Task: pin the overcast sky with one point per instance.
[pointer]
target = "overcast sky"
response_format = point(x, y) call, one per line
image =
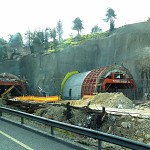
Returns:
point(22, 15)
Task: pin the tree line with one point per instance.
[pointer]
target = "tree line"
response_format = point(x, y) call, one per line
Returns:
point(47, 38)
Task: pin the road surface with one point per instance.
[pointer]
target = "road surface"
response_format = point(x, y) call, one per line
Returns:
point(14, 137)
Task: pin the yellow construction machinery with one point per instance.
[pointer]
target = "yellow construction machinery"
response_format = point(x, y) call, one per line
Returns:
point(7, 91)
point(48, 99)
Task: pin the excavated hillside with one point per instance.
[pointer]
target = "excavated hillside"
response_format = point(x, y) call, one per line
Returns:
point(128, 45)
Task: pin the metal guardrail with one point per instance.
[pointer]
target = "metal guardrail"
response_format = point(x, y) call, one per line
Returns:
point(100, 136)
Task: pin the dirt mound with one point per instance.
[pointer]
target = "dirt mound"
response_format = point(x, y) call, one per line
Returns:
point(114, 100)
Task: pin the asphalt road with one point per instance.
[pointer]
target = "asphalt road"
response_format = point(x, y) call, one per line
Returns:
point(13, 137)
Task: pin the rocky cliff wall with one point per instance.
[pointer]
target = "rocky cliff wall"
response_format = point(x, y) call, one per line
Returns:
point(10, 66)
point(128, 45)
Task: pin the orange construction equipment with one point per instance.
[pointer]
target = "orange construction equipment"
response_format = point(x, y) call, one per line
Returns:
point(114, 78)
point(10, 83)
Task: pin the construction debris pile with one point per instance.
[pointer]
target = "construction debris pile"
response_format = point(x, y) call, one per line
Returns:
point(122, 117)
point(112, 100)
point(120, 122)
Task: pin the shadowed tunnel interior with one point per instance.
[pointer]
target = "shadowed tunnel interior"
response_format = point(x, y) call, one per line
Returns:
point(15, 91)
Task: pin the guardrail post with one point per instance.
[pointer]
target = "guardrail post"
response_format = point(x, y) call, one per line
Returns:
point(99, 145)
point(100, 136)
point(52, 130)
point(22, 120)
point(0, 113)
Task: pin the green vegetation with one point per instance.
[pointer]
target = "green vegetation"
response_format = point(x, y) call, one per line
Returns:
point(78, 26)
point(76, 41)
point(51, 40)
point(96, 29)
point(38, 42)
point(51, 50)
point(59, 29)
point(3, 48)
point(110, 17)
point(83, 38)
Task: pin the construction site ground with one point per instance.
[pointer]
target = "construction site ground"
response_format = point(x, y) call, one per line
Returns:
point(124, 117)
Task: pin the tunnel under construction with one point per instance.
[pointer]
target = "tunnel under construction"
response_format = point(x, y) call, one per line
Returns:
point(12, 85)
point(115, 78)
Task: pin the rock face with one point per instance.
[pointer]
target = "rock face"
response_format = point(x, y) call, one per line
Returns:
point(128, 45)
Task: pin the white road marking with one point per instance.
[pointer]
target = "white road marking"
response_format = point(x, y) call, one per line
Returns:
point(16, 141)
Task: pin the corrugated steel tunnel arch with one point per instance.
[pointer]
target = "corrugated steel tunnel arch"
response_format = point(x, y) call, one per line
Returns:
point(113, 78)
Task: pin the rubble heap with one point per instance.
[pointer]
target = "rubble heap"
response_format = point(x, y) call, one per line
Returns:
point(112, 100)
